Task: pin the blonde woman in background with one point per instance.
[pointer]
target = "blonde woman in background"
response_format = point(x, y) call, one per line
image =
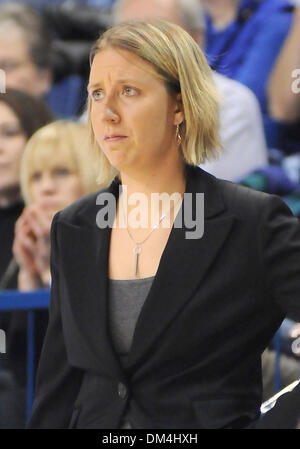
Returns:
point(57, 169)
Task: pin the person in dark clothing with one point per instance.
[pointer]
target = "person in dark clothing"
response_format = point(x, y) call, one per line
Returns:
point(20, 116)
point(55, 171)
point(152, 326)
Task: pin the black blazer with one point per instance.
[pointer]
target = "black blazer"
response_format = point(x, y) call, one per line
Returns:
point(214, 305)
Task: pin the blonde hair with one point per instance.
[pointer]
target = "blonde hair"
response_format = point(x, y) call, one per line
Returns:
point(178, 61)
point(65, 141)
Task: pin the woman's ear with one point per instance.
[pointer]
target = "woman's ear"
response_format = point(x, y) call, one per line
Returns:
point(179, 112)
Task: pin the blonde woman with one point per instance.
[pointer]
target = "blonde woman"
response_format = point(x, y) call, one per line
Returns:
point(161, 324)
point(57, 169)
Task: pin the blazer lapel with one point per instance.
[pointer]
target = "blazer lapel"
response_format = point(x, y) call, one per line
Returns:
point(182, 267)
point(87, 249)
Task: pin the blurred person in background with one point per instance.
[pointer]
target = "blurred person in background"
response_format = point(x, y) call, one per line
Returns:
point(284, 90)
point(241, 128)
point(243, 40)
point(25, 49)
point(56, 169)
point(33, 59)
point(20, 116)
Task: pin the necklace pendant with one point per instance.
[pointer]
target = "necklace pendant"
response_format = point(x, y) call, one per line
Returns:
point(136, 250)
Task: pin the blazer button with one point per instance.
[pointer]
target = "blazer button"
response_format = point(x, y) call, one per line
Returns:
point(122, 390)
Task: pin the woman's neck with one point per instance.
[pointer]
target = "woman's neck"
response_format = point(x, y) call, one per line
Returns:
point(153, 192)
point(165, 179)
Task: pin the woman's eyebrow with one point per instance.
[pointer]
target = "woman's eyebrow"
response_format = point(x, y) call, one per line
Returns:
point(119, 81)
point(92, 86)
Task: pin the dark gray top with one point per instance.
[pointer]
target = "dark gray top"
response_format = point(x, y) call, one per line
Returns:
point(125, 299)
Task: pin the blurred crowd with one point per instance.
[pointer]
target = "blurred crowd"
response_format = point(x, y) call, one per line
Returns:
point(253, 48)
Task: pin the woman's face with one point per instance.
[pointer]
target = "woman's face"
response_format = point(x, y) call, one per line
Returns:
point(15, 59)
point(12, 143)
point(213, 6)
point(133, 116)
point(55, 185)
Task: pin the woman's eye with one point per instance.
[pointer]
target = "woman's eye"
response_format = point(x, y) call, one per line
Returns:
point(129, 91)
point(62, 172)
point(36, 176)
point(11, 131)
point(97, 95)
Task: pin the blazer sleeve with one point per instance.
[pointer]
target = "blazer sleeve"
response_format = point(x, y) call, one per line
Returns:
point(281, 256)
point(280, 233)
point(57, 383)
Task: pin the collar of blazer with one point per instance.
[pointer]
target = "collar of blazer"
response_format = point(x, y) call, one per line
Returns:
point(183, 265)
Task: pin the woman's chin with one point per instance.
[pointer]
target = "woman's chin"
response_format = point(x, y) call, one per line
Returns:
point(118, 161)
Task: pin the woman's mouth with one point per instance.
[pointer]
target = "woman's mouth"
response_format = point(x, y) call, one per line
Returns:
point(114, 138)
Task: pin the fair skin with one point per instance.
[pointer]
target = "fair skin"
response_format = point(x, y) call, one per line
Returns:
point(156, 9)
point(222, 12)
point(52, 188)
point(284, 103)
point(12, 142)
point(134, 120)
point(137, 10)
point(15, 59)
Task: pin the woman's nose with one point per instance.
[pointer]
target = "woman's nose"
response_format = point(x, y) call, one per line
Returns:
point(110, 114)
point(47, 184)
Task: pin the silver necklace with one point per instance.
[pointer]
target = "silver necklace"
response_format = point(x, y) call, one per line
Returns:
point(138, 245)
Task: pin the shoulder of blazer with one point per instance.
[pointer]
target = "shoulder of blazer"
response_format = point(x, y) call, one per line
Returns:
point(248, 203)
point(242, 200)
point(236, 199)
point(83, 211)
point(219, 196)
